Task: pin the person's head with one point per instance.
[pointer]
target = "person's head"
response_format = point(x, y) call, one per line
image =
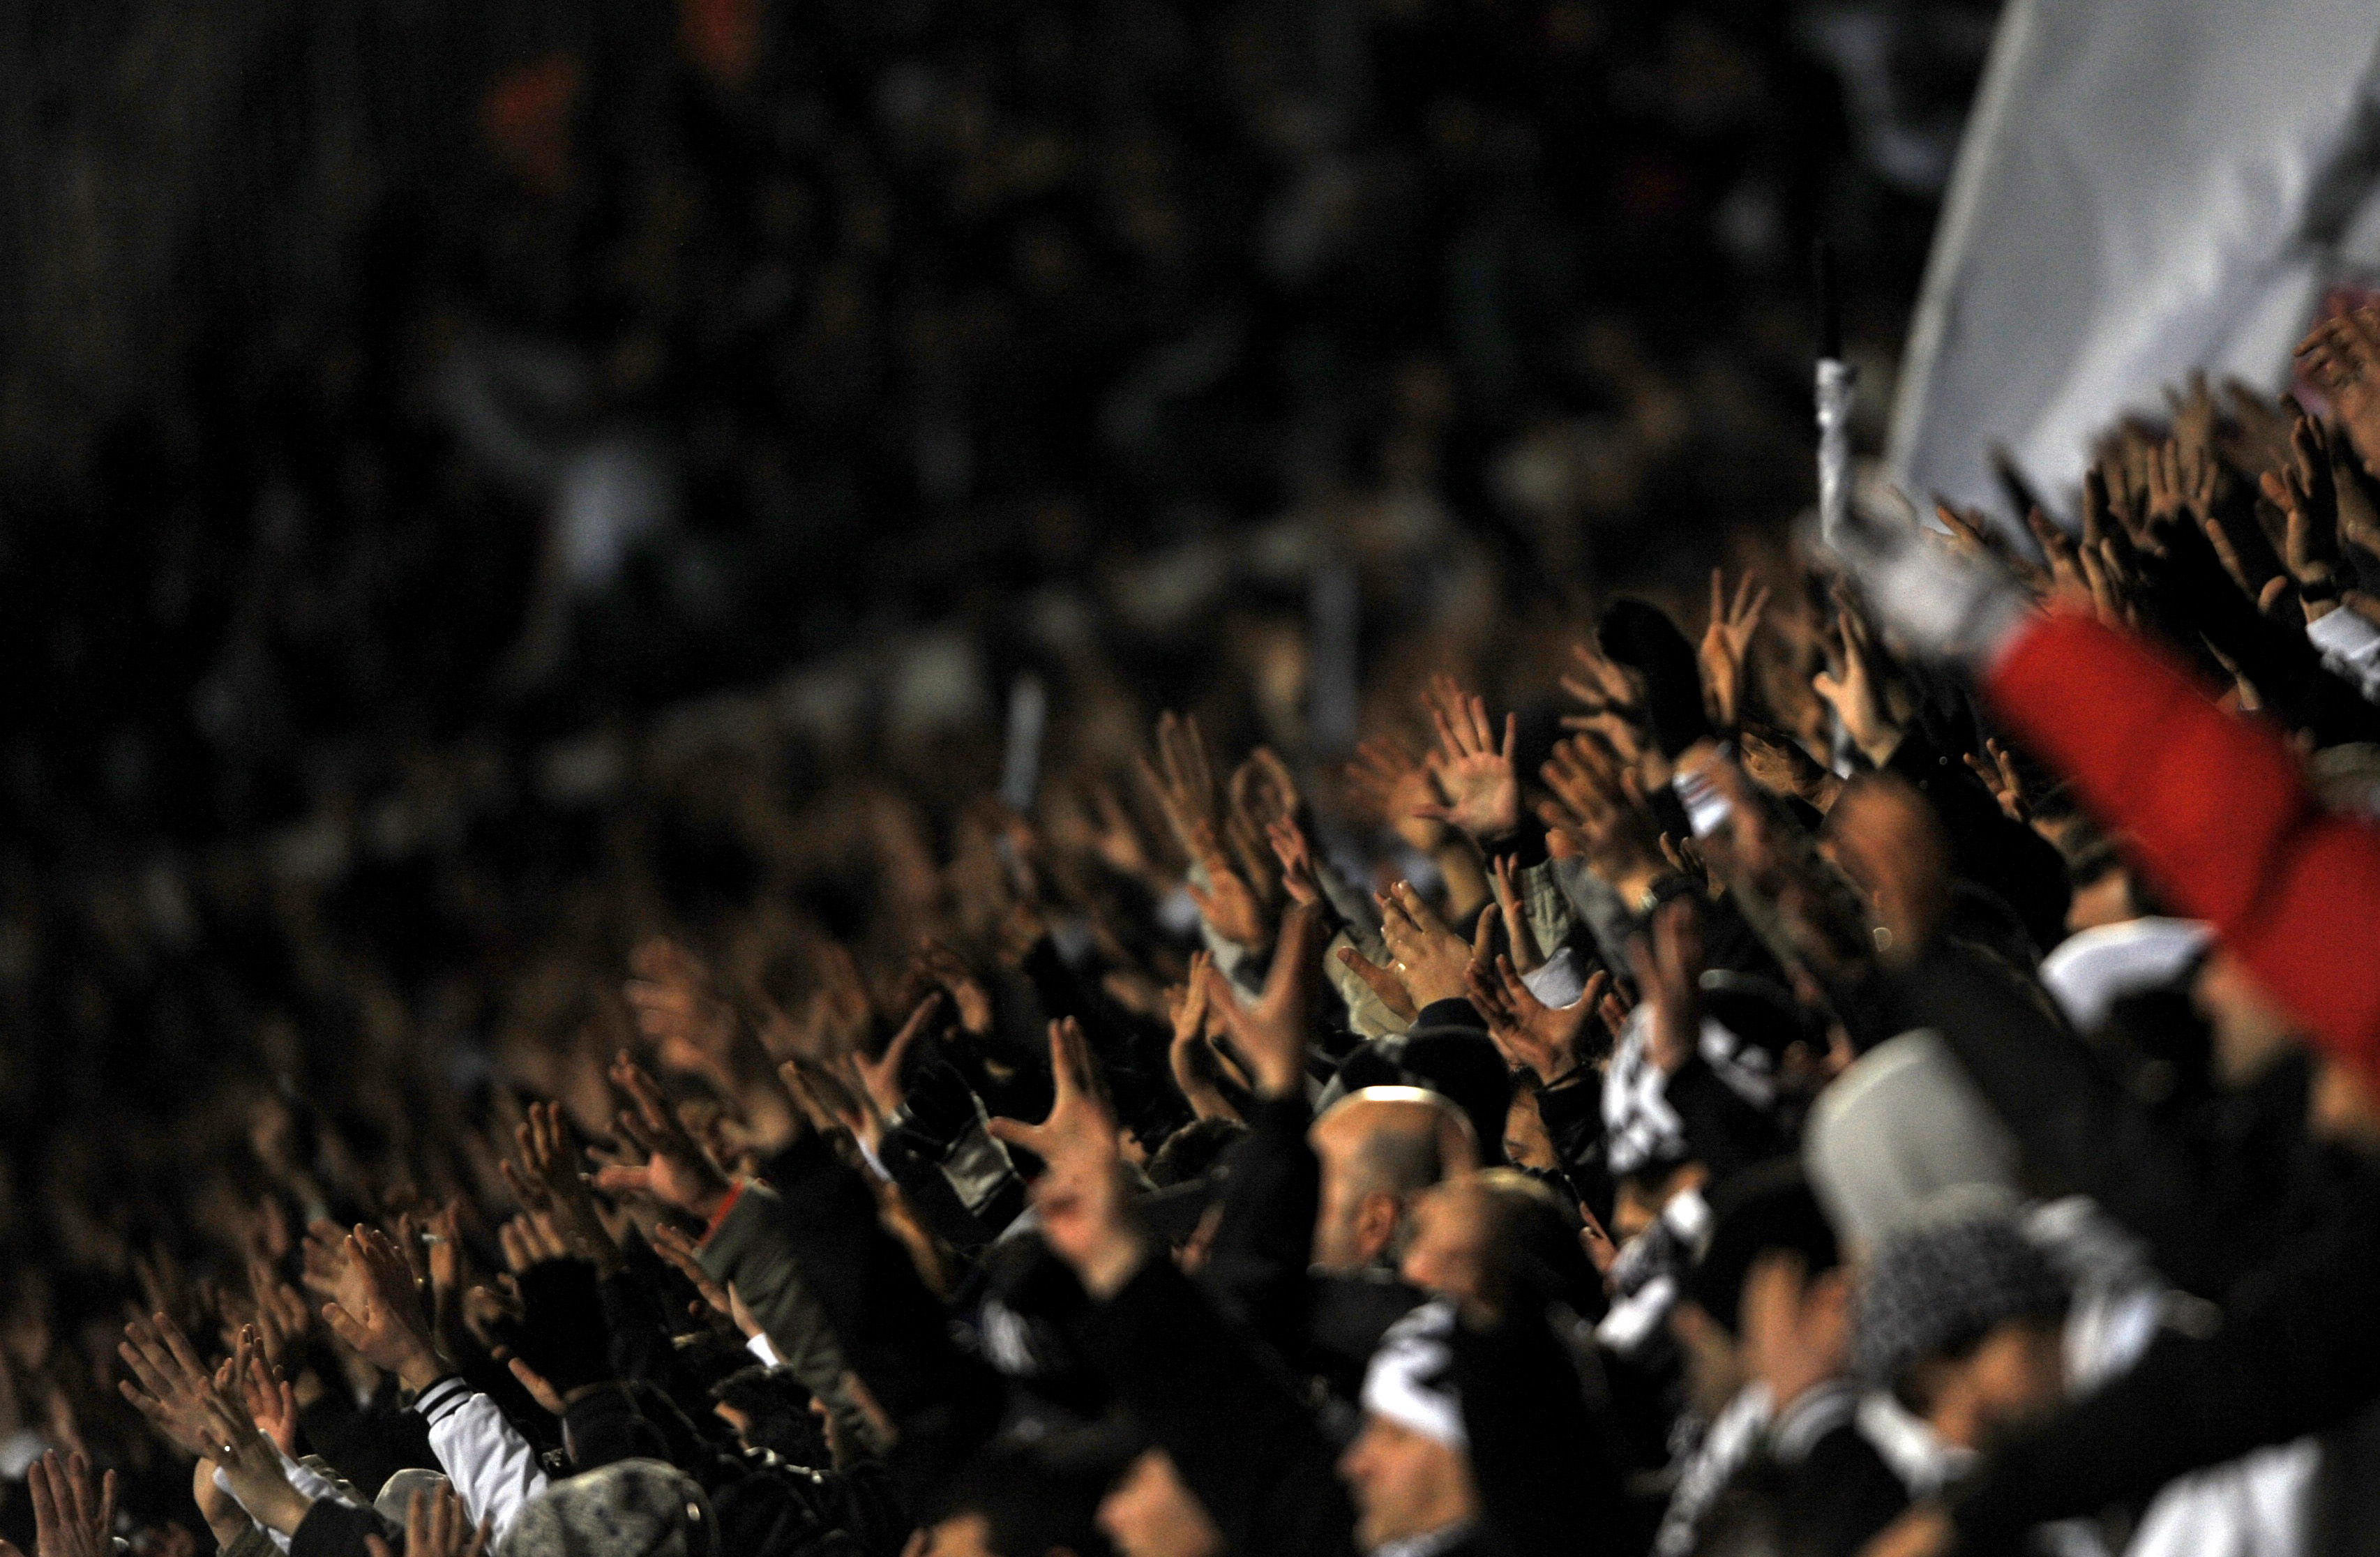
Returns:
point(1961, 1317)
point(2102, 888)
point(767, 1408)
point(1377, 1149)
point(1468, 1233)
point(629, 1508)
point(2250, 1031)
point(1772, 1278)
point(1015, 1499)
point(1527, 1143)
point(1148, 1512)
point(1641, 1194)
point(1713, 1361)
point(1887, 838)
point(1192, 1151)
point(1409, 1467)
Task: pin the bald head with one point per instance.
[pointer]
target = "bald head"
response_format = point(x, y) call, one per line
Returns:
point(1378, 1148)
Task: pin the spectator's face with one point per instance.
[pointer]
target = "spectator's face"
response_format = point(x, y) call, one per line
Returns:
point(1886, 838)
point(1714, 1362)
point(1447, 1254)
point(1151, 1514)
point(1404, 1484)
point(2016, 1376)
point(1356, 1221)
point(962, 1535)
point(2251, 1031)
point(1526, 1145)
point(2107, 900)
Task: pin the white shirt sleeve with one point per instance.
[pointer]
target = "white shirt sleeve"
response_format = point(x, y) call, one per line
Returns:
point(222, 1485)
point(1556, 982)
point(493, 1468)
point(2350, 646)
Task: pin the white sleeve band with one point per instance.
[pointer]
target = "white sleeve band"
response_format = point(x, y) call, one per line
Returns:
point(494, 1470)
point(2350, 646)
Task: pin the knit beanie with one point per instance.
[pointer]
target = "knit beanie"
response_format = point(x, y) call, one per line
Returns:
point(1945, 1281)
point(630, 1508)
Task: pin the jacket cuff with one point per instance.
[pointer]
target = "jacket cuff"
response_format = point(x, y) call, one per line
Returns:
point(440, 1401)
point(1455, 1012)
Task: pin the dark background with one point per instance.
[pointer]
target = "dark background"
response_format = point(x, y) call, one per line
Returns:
point(428, 431)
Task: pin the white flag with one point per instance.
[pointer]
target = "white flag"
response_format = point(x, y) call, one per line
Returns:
point(2146, 188)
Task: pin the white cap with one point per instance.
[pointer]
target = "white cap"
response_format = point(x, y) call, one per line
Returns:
point(2092, 969)
point(1411, 1379)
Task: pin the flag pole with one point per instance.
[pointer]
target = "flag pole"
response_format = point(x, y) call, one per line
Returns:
point(1834, 399)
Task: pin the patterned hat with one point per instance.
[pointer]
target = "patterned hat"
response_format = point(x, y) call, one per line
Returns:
point(1947, 1280)
point(631, 1508)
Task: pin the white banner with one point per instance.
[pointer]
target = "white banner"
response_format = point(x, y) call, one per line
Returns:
point(2146, 188)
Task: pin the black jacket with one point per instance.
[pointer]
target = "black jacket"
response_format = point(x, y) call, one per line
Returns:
point(1226, 1414)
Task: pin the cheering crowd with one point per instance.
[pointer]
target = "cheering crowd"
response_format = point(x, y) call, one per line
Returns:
point(1887, 1067)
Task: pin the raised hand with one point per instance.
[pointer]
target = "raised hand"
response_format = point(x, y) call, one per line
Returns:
point(1244, 834)
point(1852, 683)
point(386, 1325)
point(1383, 982)
point(548, 1180)
point(678, 1250)
point(690, 1027)
point(1669, 967)
point(1541, 1039)
point(530, 1239)
point(676, 1174)
point(169, 1385)
point(1388, 784)
point(969, 998)
point(1482, 789)
point(1298, 879)
point(272, 1402)
point(1227, 901)
point(2342, 356)
point(1426, 956)
point(252, 1462)
point(832, 1097)
point(1609, 693)
point(1506, 878)
point(436, 1525)
point(1080, 1192)
point(1999, 776)
point(881, 1078)
point(1181, 779)
point(2306, 490)
point(1263, 787)
point(71, 1518)
point(283, 1323)
point(1272, 1034)
point(1191, 1060)
point(1596, 802)
point(1726, 647)
point(1784, 767)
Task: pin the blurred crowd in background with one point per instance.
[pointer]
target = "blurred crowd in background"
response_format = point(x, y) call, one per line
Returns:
point(486, 484)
